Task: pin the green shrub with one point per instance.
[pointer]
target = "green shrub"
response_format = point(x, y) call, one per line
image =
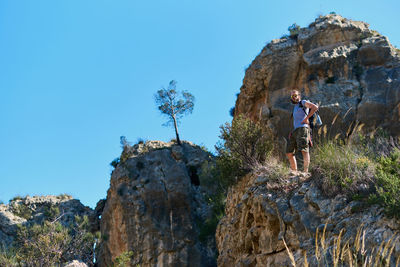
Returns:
point(8, 256)
point(124, 259)
point(51, 243)
point(294, 30)
point(216, 186)
point(245, 143)
point(115, 162)
point(232, 111)
point(18, 197)
point(388, 183)
point(141, 141)
point(341, 169)
point(245, 146)
point(22, 210)
point(51, 212)
point(41, 245)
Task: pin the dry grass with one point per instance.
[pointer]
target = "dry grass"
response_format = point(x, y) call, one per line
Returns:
point(341, 168)
point(353, 252)
point(350, 252)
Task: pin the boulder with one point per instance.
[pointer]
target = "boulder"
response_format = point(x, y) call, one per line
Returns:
point(34, 210)
point(351, 71)
point(154, 207)
point(259, 219)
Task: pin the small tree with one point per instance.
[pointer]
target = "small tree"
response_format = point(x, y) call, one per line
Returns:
point(174, 105)
point(245, 143)
point(294, 29)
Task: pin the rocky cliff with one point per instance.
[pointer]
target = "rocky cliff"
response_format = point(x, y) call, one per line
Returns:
point(36, 209)
point(258, 219)
point(334, 60)
point(353, 72)
point(153, 204)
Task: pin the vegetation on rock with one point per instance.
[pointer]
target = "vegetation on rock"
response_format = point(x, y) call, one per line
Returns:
point(366, 168)
point(244, 147)
point(50, 243)
point(174, 105)
point(339, 251)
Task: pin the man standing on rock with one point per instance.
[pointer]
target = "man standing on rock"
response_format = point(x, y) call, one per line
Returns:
point(300, 137)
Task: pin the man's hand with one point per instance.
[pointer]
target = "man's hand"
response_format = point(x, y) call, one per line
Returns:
point(313, 108)
point(305, 121)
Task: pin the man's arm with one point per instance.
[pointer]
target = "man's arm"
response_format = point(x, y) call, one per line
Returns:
point(313, 108)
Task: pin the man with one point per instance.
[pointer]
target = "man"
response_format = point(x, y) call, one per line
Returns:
point(300, 136)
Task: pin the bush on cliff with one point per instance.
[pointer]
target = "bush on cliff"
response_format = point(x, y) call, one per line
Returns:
point(367, 168)
point(8, 257)
point(341, 169)
point(50, 244)
point(244, 146)
point(388, 183)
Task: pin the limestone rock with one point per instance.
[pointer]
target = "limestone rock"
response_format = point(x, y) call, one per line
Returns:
point(153, 206)
point(258, 219)
point(31, 210)
point(334, 60)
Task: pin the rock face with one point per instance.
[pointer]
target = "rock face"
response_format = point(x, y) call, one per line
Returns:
point(30, 210)
point(258, 218)
point(334, 60)
point(152, 207)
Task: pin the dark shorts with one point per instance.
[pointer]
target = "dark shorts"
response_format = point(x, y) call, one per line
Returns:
point(299, 140)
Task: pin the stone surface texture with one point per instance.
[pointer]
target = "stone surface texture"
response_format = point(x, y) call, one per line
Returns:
point(31, 210)
point(152, 207)
point(258, 219)
point(333, 60)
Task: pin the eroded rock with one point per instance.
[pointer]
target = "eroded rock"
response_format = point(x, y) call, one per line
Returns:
point(258, 219)
point(34, 210)
point(334, 60)
point(152, 207)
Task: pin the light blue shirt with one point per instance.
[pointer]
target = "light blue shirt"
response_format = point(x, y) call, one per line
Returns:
point(299, 115)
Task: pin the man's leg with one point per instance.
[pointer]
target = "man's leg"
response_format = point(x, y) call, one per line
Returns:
point(292, 161)
point(302, 139)
point(290, 149)
point(306, 160)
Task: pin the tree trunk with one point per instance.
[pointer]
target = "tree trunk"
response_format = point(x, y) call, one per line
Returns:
point(176, 131)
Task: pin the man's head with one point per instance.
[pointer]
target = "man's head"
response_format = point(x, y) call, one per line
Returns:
point(295, 96)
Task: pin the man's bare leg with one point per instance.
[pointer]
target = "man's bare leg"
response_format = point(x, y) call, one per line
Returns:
point(292, 161)
point(306, 160)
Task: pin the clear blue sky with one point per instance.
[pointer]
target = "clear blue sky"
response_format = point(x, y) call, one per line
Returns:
point(75, 75)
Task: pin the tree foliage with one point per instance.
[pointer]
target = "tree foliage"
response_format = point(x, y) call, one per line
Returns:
point(244, 146)
point(294, 30)
point(51, 243)
point(245, 142)
point(174, 104)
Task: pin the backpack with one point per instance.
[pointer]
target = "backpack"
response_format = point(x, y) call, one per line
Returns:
point(315, 119)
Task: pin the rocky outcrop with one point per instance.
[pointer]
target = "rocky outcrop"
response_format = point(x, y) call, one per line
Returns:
point(34, 210)
point(152, 207)
point(334, 60)
point(259, 218)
